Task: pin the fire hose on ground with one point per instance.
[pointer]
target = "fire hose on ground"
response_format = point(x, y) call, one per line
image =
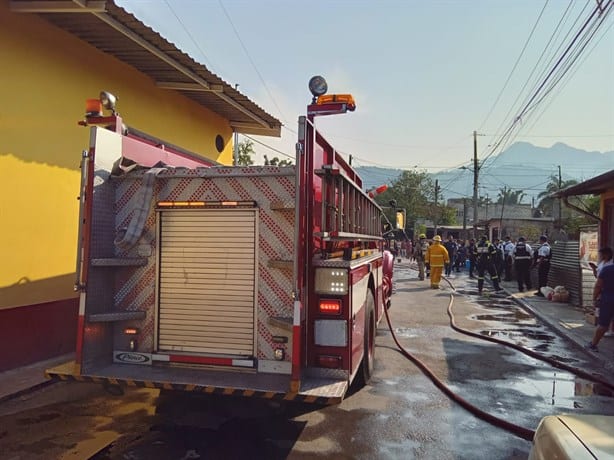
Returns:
point(520, 431)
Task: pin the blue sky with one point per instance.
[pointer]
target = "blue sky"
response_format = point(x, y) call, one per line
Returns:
point(425, 74)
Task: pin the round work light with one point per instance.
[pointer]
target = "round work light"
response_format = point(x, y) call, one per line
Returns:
point(318, 86)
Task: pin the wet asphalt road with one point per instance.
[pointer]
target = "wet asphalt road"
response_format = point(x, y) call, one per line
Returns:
point(401, 414)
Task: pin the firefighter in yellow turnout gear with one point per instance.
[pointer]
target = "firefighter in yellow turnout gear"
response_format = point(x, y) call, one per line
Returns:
point(436, 256)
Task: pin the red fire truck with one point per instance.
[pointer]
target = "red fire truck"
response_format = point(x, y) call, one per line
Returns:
point(261, 281)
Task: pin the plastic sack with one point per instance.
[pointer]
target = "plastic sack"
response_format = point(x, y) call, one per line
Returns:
point(560, 294)
point(560, 297)
point(547, 291)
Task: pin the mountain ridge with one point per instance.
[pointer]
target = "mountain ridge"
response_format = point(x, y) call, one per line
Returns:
point(522, 166)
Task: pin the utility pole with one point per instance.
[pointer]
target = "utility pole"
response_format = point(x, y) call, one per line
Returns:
point(235, 153)
point(560, 207)
point(476, 170)
point(436, 203)
point(464, 218)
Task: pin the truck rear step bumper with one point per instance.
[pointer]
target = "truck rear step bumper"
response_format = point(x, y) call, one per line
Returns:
point(325, 391)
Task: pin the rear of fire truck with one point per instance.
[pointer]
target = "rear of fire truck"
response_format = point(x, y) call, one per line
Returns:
point(259, 281)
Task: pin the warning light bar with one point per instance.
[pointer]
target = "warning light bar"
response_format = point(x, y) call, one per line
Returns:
point(206, 204)
point(347, 99)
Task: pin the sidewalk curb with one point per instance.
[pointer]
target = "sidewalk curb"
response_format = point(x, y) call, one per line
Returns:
point(571, 338)
point(27, 391)
point(22, 381)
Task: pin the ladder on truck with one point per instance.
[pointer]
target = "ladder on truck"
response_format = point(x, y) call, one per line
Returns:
point(348, 213)
point(350, 219)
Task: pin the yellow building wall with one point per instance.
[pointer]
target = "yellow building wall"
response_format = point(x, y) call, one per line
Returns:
point(46, 76)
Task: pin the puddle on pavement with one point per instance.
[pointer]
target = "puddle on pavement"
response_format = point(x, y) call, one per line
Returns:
point(559, 388)
point(560, 359)
point(406, 332)
point(515, 316)
point(518, 333)
point(497, 303)
point(522, 334)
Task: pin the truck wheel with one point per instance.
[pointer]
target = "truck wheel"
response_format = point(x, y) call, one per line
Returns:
point(366, 370)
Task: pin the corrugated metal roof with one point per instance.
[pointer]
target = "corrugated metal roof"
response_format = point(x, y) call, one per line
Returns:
point(114, 31)
point(594, 186)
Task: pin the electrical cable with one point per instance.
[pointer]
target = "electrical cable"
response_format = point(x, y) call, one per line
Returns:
point(584, 56)
point(268, 146)
point(558, 77)
point(509, 77)
point(520, 431)
point(187, 31)
point(252, 61)
point(514, 124)
point(537, 63)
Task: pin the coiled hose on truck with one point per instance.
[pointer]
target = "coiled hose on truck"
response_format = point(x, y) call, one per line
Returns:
point(520, 431)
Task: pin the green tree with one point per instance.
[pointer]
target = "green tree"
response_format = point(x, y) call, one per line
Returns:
point(447, 216)
point(246, 150)
point(413, 191)
point(546, 202)
point(277, 162)
point(572, 220)
point(509, 196)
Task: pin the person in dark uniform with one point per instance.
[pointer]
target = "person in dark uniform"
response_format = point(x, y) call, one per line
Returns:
point(485, 254)
point(451, 247)
point(471, 255)
point(542, 260)
point(522, 254)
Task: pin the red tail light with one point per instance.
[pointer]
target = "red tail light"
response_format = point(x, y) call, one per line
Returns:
point(329, 362)
point(330, 307)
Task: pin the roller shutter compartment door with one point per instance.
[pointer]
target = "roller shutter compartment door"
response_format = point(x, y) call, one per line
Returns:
point(207, 281)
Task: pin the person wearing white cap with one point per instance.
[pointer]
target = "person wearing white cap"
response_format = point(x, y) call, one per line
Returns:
point(543, 256)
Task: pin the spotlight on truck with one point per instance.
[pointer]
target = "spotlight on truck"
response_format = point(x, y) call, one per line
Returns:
point(317, 86)
point(108, 100)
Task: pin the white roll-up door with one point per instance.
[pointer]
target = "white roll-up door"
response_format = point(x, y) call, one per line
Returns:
point(207, 281)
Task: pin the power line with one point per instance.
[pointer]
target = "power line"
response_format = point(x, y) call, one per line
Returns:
point(509, 77)
point(559, 136)
point(252, 61)
point(537, 63)
point(538, 93)
point(186, 30)
point(563, 72)
point(572, 60)
point(268, 146)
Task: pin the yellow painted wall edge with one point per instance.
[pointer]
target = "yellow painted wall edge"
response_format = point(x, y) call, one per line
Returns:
point(46, 76)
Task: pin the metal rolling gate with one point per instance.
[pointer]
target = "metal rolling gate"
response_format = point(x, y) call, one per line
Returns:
point(207, 281)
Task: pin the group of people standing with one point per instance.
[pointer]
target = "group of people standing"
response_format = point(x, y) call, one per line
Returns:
point(507, 258)
point(497, 258)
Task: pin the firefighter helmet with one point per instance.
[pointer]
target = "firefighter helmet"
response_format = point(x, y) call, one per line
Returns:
point(422, 236)
point(437, 238)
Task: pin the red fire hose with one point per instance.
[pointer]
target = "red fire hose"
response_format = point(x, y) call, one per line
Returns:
point(522, 432)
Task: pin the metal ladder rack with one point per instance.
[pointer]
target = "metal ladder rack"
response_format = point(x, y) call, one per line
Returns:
point(348, 213)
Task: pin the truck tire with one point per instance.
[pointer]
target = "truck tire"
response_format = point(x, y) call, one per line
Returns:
point(366, 367)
